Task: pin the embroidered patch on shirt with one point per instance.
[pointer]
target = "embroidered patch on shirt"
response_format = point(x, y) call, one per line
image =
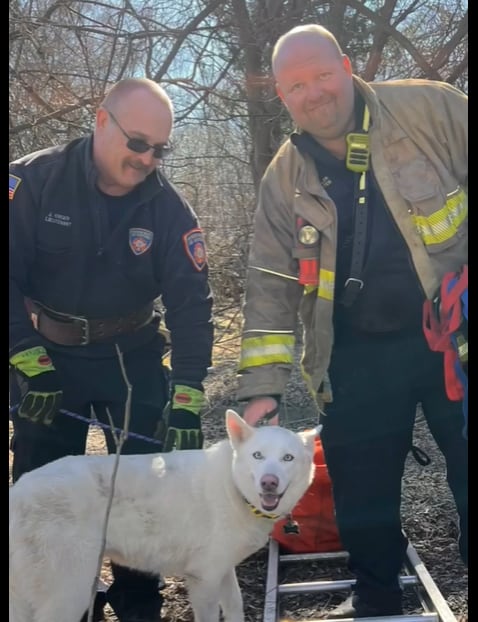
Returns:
point(140, 240)
point(58, 219)
point(195, 248)
point(13, 183)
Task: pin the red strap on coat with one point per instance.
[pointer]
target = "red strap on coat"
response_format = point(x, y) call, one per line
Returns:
point(440, 322)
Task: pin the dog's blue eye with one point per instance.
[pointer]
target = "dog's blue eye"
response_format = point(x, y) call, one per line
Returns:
point(257, 455)
point(288, 457)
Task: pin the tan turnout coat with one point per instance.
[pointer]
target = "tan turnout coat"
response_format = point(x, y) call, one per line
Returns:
point(419, 156)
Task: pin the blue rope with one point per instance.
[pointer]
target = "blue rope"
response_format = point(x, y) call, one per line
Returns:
point(95, 422)
point(459, 371)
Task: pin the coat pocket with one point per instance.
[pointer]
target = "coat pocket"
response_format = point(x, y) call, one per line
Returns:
point(440, 217)
point(442, 223)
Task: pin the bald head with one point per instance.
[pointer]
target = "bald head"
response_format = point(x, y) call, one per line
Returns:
point(124, 92)
point(314, 79)
point(307, 35)
point(133, 126)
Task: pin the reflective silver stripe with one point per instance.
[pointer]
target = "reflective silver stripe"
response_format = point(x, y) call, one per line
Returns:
point(266, 350)
point(269, 332)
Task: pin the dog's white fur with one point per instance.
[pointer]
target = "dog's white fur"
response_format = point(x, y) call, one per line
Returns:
point(182, 513)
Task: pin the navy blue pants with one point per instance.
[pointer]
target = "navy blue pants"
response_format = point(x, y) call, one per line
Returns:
point(377, 383)
point(98, 383)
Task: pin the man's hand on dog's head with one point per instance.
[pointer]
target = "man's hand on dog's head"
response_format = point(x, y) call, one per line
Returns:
point(262, 410)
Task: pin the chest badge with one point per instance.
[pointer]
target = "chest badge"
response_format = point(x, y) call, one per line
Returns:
point(308, 235)
point(195, 248)
point(140, 240)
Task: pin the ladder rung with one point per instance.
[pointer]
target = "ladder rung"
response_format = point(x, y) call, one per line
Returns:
point(434, 604)
point(420, 617)
point(329, 586)
point(312, 557)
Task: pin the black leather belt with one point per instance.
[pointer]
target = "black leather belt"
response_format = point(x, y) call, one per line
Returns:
point(72, 330)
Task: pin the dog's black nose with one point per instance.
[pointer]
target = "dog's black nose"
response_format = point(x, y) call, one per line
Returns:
point(269, 483)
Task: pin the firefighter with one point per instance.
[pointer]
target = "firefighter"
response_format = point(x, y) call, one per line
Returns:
point(97, 235)
point(360, 214)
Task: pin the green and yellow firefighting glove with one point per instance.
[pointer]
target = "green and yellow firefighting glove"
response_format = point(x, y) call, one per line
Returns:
point(41, 394)
point(180, 426)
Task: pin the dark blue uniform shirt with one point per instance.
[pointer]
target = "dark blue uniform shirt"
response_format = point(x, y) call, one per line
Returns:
point(80, 252)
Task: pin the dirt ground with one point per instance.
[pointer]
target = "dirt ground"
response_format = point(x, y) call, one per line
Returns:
point(429, 519)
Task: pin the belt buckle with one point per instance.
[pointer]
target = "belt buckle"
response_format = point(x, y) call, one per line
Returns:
point(85, 326)
point(352, 280)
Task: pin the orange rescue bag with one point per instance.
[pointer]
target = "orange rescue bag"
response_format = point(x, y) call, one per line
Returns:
point(314, 515)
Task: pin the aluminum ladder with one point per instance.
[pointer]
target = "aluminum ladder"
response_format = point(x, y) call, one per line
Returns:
point(435, 607)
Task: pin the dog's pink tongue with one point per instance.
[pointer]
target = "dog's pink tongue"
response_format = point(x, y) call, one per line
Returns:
point(270, 501)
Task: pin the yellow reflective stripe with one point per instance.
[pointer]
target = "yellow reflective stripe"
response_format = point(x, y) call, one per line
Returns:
point(326, 284)
point(267, 349)
point(443, 224)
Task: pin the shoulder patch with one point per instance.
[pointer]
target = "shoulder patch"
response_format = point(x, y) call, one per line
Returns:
point(13, 183)
point(195, 248)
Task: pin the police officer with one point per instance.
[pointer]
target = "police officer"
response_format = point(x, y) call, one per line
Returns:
point(97, 234)
point(361, 213)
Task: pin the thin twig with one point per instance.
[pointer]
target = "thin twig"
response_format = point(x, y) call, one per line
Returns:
point(119, 444)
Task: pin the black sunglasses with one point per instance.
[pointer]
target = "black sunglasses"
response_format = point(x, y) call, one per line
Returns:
point(141, 146)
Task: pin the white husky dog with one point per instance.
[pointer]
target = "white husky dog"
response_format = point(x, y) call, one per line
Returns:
point(194, 514)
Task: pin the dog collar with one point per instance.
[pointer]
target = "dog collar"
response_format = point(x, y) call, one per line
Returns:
point(260, 513)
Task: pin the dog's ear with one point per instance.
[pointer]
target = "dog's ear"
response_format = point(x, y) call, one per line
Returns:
point(237, 429)
point(309, 436)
